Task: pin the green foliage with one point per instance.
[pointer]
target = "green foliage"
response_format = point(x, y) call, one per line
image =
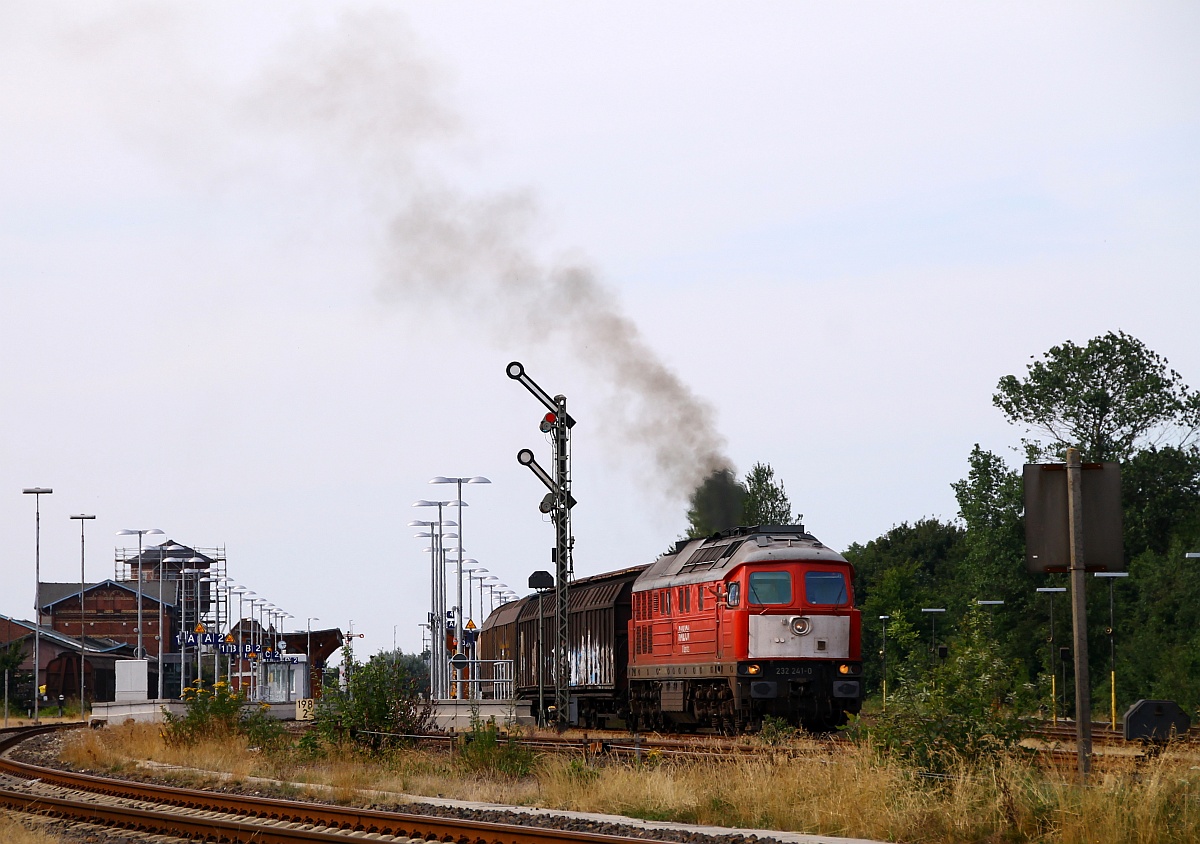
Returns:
point(966, 707)
point(722, 502)
point(484, 753)
point(716, 504)
point(1106, 399)
point(11, 657)
point(909, 567)
point(776, 731)
point(1160, 494)
point(383, 702)
point(766, 501)
point(218, 712)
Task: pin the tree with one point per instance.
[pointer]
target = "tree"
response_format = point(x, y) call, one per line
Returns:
point(1108, 399)
point(722, 502)
point(766, 502)
point(383, 701)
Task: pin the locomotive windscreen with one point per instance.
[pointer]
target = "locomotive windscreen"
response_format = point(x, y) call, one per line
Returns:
point(825, 587)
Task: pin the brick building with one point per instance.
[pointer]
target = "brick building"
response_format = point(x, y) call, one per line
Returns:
point(59, 663)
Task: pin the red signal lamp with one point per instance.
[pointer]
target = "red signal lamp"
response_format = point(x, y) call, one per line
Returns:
point(548, 422)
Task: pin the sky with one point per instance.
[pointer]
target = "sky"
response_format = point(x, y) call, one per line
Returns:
point(262, 266)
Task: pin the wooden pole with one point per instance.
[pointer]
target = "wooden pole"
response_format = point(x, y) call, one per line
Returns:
point(1083, 696)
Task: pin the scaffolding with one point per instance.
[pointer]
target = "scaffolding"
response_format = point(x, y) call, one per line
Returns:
point(194, 571)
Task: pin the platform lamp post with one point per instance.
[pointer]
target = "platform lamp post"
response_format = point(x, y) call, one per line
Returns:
point(491, 581)
point(82, 613)
point(183, 616)
point(161, 636)
point(214, 586)
point(37, 492)
point(437, 575)
point(140, 652)
point(179, 603)
point(883, 656)
point(475, 575)
point(221, 587)
point(458, 482)
point(1112, 644)
point(933, 611)
point(241, 592)
point(1050, 591)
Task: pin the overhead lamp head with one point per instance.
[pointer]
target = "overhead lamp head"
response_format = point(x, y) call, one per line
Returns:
point(81, 516)
point(37, 490)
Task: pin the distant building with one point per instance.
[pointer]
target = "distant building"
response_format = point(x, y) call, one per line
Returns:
point(59, 663)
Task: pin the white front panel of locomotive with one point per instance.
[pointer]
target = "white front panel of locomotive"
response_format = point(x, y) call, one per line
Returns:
point(772, 636)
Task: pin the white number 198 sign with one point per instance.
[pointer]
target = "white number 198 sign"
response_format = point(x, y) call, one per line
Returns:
point(304, 709)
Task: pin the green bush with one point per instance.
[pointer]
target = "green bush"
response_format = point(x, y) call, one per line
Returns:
point(483, 752)
point(383, 703)
point(966, 708)
point(219, 712)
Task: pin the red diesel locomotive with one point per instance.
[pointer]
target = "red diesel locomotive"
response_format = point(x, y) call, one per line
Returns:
point(719, 633)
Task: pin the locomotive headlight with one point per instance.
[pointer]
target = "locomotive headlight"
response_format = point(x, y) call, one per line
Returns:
point(801, 626)
point(847, 669)
point(751, 668)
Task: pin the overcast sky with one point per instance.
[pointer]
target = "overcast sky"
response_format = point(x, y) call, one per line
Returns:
point(263, 265)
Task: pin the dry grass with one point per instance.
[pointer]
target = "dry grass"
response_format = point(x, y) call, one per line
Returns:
point(17, 830)
point(847, 791)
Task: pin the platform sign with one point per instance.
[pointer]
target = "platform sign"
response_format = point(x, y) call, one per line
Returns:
point(306, 709)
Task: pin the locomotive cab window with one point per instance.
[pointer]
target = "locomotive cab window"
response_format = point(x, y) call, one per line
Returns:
point(770, 587)
point(825, 587)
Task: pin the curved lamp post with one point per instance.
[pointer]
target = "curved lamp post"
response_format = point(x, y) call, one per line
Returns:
point(458, 609)
point(82, 629)
point(37, 492)
point(140, 652)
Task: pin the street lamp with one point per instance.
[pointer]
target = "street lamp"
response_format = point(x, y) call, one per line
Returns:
point(883, 656)
point(184, 628)
point(37, 492)
point(439, 660)
point(82, 613)
point(1050, 591)
point(1112, 643)
point(140, 653)
point(473, 576)
point(161, 636)
point(241, 592)
point(458, 482)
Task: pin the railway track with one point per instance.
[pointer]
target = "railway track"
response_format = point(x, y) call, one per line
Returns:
point(239, 819)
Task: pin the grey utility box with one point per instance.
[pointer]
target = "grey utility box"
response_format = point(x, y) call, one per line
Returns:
point(1155, 721)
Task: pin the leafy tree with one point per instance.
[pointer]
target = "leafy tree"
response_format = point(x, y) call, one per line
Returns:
point(991, 505)
point(1107, 399)
point(722, 501)
point(382, 702)
point(11, 657)
point(766, 502)
point(909, 567)
point(964, 708)
point(1160, 492)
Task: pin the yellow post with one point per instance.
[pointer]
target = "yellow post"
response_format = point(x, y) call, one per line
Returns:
point(1054, 700)
point(1113, 706)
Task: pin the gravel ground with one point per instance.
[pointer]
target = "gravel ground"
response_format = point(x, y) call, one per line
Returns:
point(43, 750)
